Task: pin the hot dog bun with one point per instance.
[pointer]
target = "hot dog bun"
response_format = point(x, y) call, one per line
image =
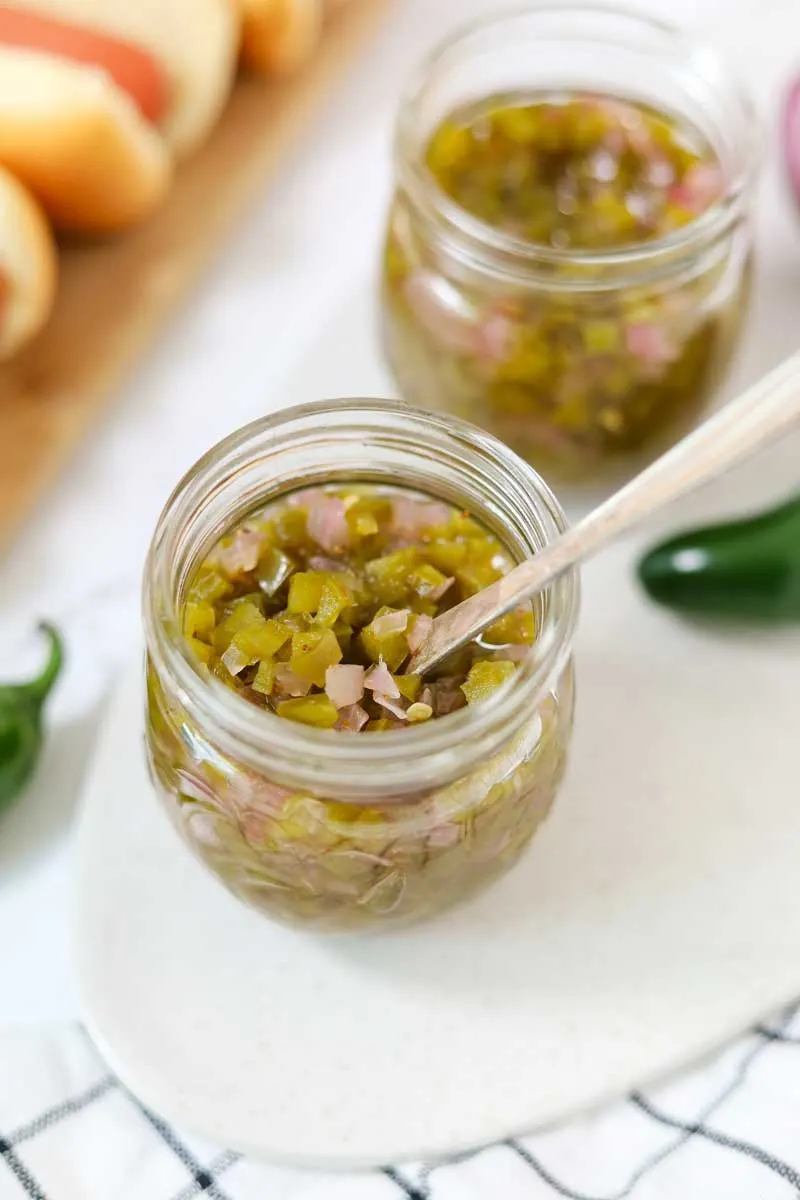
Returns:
point(78, 142)
point(28, 266)
point(194, 41)
point(278, 36)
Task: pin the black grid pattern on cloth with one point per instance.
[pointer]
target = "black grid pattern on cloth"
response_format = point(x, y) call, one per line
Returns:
point(206, 1180)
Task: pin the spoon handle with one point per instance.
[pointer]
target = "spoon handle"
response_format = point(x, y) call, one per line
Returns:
point(762, 413)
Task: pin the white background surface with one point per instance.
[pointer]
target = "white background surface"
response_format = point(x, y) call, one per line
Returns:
point(79, 559)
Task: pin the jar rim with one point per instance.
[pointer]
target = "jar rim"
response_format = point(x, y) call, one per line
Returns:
point(265, 741)
point(655, 255)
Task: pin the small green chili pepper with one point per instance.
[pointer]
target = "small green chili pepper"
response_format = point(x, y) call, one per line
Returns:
point(21, 708)
point(742, 569)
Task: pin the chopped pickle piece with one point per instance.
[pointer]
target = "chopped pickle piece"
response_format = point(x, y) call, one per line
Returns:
point(426, 579)
point(305, 592)
point(273, 569)
point(389, 576)
point(408, 686)
point(209, 584)
point(335, 598)
point(310, 710)
point(516, 628)
point(391, 647)
point(264, 680)
point(262, 640)
point(199, 619)
point(313, 652)
point(200, 650)
point(368, 606)
point(447, 556)
point(484, 678)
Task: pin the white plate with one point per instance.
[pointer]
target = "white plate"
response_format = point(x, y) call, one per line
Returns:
point(655, 915)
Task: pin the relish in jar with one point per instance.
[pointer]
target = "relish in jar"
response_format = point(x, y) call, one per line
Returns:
point(292, 574)
point(567, 266)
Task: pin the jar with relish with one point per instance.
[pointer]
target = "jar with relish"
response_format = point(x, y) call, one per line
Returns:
point(569, 243)
point(291, 575)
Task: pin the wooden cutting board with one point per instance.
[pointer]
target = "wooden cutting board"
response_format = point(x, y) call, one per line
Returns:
point(115, 296)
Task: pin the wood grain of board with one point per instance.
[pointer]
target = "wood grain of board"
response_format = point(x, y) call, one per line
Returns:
point(115, 296)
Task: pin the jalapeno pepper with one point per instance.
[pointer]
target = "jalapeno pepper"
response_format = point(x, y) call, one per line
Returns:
point(746, 569)
point(21, 707)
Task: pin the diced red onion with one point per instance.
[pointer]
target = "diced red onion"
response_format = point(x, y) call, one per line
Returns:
point(253, 825)
point(288, 683)
point(442, 836)
point(379, 679)
point(411, 518)
point(327, 523)
point(494, 337)
point(514, 653)
point(266, 797)
point(319, 562)
point(650, 343)
point(419, 632)
point(304, 497)
point(395, 707)
point(391, 622)
point(235, 660)
point(198, 789)
point(243, 553)
point(406, 516)
point(344, 684)
point(352, 719)
point(700, 187)
point(791, 136)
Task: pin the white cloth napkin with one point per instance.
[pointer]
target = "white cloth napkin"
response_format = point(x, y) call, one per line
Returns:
point(730, 1130)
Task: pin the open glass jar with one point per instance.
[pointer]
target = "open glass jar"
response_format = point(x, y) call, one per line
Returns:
point(332, 830)
point(579, 354)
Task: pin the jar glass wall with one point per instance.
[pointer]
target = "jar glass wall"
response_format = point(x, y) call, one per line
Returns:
point(346, 831)
point(576, 357)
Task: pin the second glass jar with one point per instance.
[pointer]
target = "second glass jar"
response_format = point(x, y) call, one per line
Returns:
point(577, 358)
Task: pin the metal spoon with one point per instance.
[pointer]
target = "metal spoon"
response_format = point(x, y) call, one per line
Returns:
point(761, 414)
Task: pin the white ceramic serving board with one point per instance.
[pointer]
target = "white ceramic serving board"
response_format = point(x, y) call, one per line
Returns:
point(655, 916)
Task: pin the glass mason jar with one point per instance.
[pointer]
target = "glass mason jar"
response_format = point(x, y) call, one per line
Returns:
point(577, 359)
point(332, 830)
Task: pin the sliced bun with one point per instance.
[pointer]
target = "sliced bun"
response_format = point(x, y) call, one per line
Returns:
point(278, 36)
point(79, 143)
point(28, 266)
point(195, 42)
